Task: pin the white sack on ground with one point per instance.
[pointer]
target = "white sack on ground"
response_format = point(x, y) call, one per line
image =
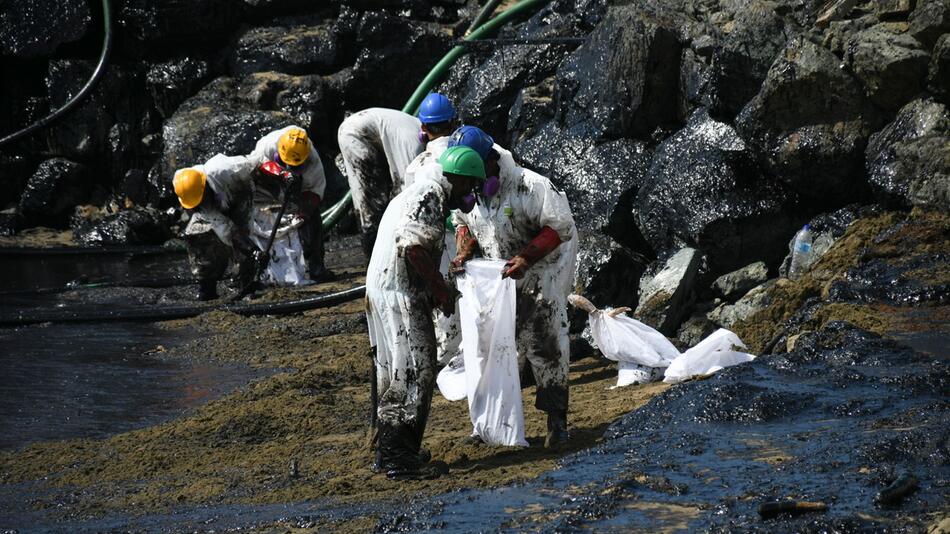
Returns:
point(487, 313)
point(287, 266)
point(451, 380)
point(708, 356)
point(641, 352)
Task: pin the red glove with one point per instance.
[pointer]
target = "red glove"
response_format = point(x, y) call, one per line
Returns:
point(539, 247)
point(443, 294)
point(466, 249)
point(274, 170)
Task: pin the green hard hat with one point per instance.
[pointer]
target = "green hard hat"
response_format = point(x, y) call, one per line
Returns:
point(463, 161)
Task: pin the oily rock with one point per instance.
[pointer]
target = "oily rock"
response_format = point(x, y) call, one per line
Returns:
point(665, 296)
point(50, 194)
point(704, 190)
point(38, 27)
point(171, 82)
point(300, 49)
point(825, 229)
point(136, 226)
point(909, 160)
point(938, 80)
point(757, 299)
point(160, 24)
point(809, 125)
point(929, 21)
point(607, 273)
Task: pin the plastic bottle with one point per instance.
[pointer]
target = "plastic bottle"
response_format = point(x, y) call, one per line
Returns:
point(801, 253)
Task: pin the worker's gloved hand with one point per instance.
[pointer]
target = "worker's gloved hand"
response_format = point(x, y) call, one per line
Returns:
point(539, 247)
point(273, 170)
point(516, 268)
point(444, 298)
point(466, 244)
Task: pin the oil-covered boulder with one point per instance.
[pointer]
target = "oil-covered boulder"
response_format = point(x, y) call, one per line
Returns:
point(809, 125)
point(600, 180)
point(938, 78)
point(756, 299)
point(489, 92)
point(909, 160)
point(621, 82)
point(892, 66)
point(157, 24)
point(744, 55)
point(667, 294)
point(136, 226)
point(395, 53)
point(704, 190)
point(38, 27)
point(229, 115)
point(15, 169)
point(171, 82)
point(607, 273)
point(298, 49)
point(929, 21)
point(50, 194)
point(825, 230)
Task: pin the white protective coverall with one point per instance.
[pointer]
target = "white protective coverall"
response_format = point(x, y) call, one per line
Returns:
point(525, 203)
point(399, 309)
point(218, 230)
point(448, 331)
point(268, 198)
point(377, 145)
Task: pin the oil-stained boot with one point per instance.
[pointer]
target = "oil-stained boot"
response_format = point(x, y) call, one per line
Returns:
point(557, 429)
point(207, 290)
point(396, 457)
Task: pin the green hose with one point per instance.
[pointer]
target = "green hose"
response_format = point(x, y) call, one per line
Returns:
point(333, 215)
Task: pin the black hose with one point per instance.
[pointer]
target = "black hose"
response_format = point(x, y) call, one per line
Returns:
point(86, 89)
point(147, 313)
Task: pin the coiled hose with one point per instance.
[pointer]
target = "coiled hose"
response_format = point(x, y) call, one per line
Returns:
point(86, 89)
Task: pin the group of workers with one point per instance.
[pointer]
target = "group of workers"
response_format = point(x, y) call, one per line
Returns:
point(411, 179)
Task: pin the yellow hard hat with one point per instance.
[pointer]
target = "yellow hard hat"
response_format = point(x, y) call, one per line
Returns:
point(293, 147)
point(190, 187)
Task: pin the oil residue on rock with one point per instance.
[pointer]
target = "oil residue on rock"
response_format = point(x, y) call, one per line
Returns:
point(83, 381)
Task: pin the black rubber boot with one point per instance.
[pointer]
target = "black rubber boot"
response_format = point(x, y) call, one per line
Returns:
point(207, 290)
point(368, 240)
point(398, 459)
point(557, 429)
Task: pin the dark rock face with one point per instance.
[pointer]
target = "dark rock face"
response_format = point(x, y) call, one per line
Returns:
point(599, 179)
point(742, 60)
point(810, 124)
point(909, 160)
point(294, 50)
point(38, 27)
point(138, 226)
point(57, 185)
point(667, 295)
point(170, 83)
point(704, 190)
point(607, 273)
point(159, 23)
point(619, 83)
point(938, 81)
point(395, 55)
point(229, 115)
point(15, 169)
point(826, 229)
point(892, 66)
point(929, 21)
point(731, 286)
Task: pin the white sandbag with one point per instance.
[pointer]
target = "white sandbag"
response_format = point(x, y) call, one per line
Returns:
point(715, 352)
point(629, 373)
point(624, 339)
point(287, 266)
point(487, 313)
point(451, 380)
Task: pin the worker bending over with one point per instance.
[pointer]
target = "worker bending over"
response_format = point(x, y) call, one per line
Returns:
point(521, 217)
point(403, 284)
point(377, 145)
point(219, 196)
point(278, 157)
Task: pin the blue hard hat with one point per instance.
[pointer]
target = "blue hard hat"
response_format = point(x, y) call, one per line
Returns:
point(436, 108)
point(474, 138)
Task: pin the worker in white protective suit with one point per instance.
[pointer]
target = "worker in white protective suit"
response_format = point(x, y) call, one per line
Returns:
point(279, 157)
point(522, 218)
point(218, 195)
point(403, 284)
point(377, 145)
